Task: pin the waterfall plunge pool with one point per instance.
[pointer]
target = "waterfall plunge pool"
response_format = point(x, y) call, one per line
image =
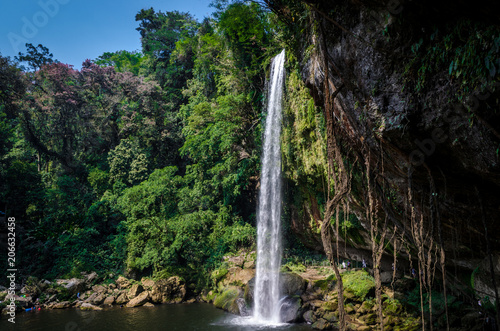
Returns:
point(178, 317)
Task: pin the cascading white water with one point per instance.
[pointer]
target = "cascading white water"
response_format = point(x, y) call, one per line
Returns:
point(267, 287)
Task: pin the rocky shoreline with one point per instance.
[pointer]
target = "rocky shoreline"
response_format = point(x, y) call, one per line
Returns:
point(311, 295)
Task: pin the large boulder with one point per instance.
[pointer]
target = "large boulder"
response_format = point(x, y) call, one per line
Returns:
point(122, 282)
point(322, 324)
point(243, 308)
point(122, 298)
point(249, 289)
point(75, 285)
point(90, 278)
point(290, 309)
point(135, 290)
point(172, 290)
point(139, 300)
point(109, 301)
point(228, 299)
point(99, 289)
point(292, 284)
point(309, 317)
point(91, 298)
point(239, 277)
point(99, 299)
point(148, 283)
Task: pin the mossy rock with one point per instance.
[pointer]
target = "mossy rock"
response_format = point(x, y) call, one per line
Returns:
point(330, 306)
point(330, 317)
point(359, 283)
point(349, 296)
point(309, 316)
point(349, 309)
point(211, 296)
point(322, 284)
point(322, 324)
point(369, 319)
point(392, 307)
point(366, 307)
point(218, 274)
point(227, 300)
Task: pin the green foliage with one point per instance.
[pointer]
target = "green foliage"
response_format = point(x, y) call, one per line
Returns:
point(438, 302)
point(36, 57)
point(293, 267)
point(470, 51)
point(122, 61)
point(127, 163)
point(146, 161)
point(218, 274)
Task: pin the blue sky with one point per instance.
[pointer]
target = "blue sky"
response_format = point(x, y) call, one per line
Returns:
point(75, 30)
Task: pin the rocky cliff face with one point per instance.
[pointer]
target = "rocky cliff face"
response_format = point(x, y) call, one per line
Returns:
point(414, 93)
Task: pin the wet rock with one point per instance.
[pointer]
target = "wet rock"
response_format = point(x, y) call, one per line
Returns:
point(242, 307)
point(89, 306)
point(227, 299)
point(109, 301)
point(141, 299)
point(122, 298)
point(135, 290)
point(61, 305)
point(249, 289)
point(290, 307)
point(98, 299)
point(309, 317)
point(322, 324)
point(148, 304)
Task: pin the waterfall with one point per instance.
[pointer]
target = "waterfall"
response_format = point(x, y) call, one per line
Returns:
point(267, 287)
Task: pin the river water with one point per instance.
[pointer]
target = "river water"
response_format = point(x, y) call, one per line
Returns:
point(180, 317)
